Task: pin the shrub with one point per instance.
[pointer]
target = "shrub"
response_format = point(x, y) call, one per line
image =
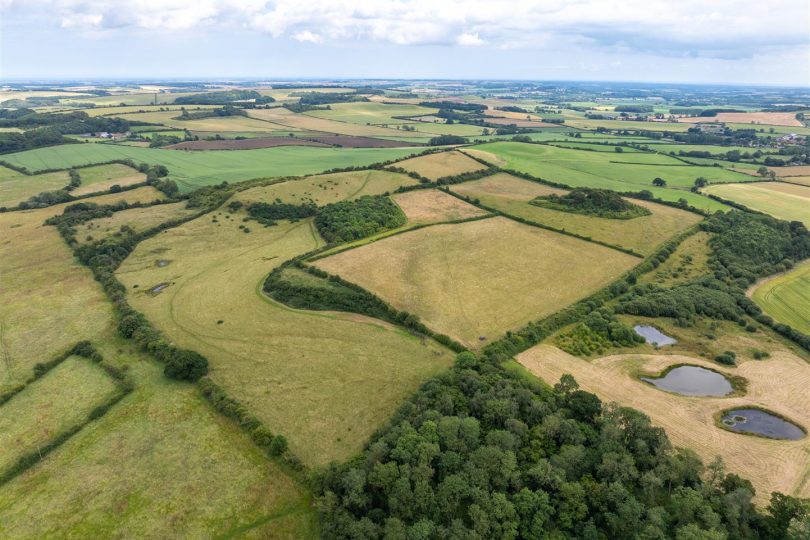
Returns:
point(185, 365)
point(728, 358)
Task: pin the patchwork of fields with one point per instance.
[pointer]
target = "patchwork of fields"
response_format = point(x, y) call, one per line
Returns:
point(790, 202)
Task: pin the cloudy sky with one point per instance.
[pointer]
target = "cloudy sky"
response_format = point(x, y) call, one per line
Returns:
point(703, 41)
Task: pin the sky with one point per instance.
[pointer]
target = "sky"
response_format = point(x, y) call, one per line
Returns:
point(763, 42)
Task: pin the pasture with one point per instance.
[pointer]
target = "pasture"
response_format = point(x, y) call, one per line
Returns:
point(790, 202)
point(431, 206)
point(192, 170)
point(138, 219)
point(101, 177)
point(771, 118)
point(511, 195)
point(324, 380)
point(213, 124)
point(323, 189)
point(17, 187)
point(306, 122)
point(456, 277)
point(786, 297)
point(369, 112)
point(53, 404)
point(687, 262)
point(619, 172)
point(779, 384)
point(441, 164)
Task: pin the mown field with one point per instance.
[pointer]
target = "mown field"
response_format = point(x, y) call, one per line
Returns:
point(371, 113)
point(441, 164)
point(786, 297)
point(195, 169)
point(324, 380)
point(432, 206)
point(619, 172)
point(456, 277)
point(213, 124)
point(779, 384)
point(511, 195)
point(790, 202)
point(307, 122)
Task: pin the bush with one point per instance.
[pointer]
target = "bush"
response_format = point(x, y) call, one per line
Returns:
point(278, 445)
point(185, 365)
point(728, 358)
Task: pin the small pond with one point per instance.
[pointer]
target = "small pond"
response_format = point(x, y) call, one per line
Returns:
point(762, 423)
point(692, 381)
point(653, 335)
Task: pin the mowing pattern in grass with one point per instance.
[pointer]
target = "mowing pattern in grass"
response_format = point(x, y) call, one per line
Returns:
point(512, 195)
point(326, 381)
point(784, 201)
point(619, 172)
point(441, 164)
point(327, 188)
point(786, 297)
point(778, 384)
point(194, 169)
point(51, 405)
point(481, 278)
point(431, 206)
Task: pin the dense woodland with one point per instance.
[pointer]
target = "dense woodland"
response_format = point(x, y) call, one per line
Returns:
point(592, 202)
point(351, 220)
point(480, 452)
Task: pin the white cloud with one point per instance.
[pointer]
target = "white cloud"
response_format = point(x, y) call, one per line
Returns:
point(307, 36)
point(718, 28)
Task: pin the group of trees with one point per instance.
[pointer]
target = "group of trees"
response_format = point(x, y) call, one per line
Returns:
point(268, 213)
point(47, 129)
point(223, 97)
point(479, 452)
point(594, 202)
point(345, 221)
point(599, 331)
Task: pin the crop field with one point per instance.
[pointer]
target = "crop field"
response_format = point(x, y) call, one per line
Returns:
point(61, 399)
point(327, 188)
point(596, 147)
point(711, 148)
point(138, 219)
point(213, 124)
point(800, 170)
point(790, 202)
point(642, 234)
point(586, 123)
point(431, 206)
point(769, 118)
point(129, 109)
point(441, 164)
point(243, 144)
point(307, 122)
point(102, 177)
point(362, 112)
point(462, 130)
point(324, 380)
point(16, 187)
point(619, 172)
point(786, 297)
point(779, 384)
point(455, 277)
point(800, 180)
point(195, 169)
point(523, 123)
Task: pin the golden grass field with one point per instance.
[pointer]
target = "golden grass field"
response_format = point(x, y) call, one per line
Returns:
point(480, 278)
point(790, 202)
point(643, 234)
point(326, 188)
point(801, 180)
point(101, 177)
point(291, 120)
point(139, 219)
point(786, 297)
point(61, 399)
point(778, 384)
point(324, 380)
point(213, 124)
point(17, 187)
point(769, 118)
point(141, 469)
point(796, 170)
point(432, 205)
point(440, 164)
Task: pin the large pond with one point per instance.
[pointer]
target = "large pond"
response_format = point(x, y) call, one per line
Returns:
point(653, 335)
point(692, 381)
point(761, 423)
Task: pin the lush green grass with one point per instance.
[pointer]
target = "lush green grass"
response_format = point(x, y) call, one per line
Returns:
point(324, 380)
point(194, 169)
point(480, 278)
point(787, 298)
point(790, 202)
point(362, 112)
point(620, 172)
point(641, 234)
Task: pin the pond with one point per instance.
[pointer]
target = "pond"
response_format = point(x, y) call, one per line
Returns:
point(692, 381)
point(653, 335)
point(761, 423)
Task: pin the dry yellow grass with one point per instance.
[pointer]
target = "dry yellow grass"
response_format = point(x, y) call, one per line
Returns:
point(102, 177)
point(643, 234)
point(431, 206)
point(440, 164)
point(489, 157)
point(797, 170)
point(769, 118)
point(138, 219)
point(291, 120)
point(480, 278)
point(800, 180)
point(779, 384)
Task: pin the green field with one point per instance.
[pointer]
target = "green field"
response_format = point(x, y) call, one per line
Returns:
point(456, 277)
point(371, 112)
point(324, 380)
point(786, 297)
point(195, 169)
point(17, 187)
point(619, 172)
point(790, 202)
point(643, 234)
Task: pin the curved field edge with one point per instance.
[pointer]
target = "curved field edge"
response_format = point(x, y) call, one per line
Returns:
point(786, 297)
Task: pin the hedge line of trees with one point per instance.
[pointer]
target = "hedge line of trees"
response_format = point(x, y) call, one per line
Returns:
point(480, 452)
point(592, 202)
point(345, 221)
point(337, 294)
